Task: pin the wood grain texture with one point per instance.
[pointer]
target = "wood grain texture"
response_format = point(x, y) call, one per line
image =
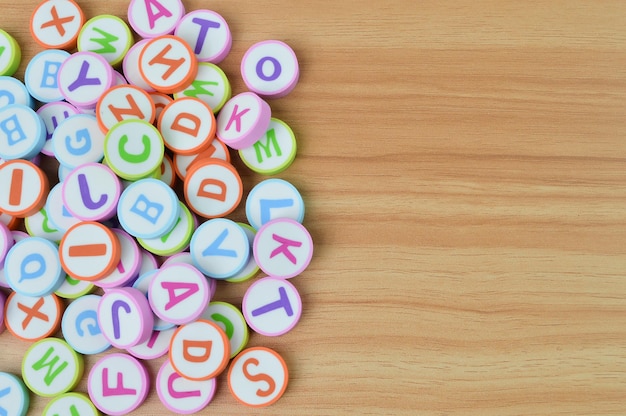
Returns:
point(463, 168)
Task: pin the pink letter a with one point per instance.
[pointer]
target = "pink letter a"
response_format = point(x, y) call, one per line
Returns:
point(162, 11)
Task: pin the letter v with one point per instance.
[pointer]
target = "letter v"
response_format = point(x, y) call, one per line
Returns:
point(215, 250)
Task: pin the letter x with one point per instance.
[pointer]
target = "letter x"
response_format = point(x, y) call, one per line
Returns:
point(33, 312)
point(57, 22)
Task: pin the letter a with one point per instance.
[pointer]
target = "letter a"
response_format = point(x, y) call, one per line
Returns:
point(161, 11)
point(171, 287)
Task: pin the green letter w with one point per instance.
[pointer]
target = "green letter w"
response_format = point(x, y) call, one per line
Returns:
point(50, 373)
point(104, 41)
point(198, 89)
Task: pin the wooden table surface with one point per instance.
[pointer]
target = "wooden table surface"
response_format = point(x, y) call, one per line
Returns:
point(463, 166)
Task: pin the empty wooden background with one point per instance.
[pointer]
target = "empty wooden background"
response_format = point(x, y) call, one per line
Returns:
point(463, 165)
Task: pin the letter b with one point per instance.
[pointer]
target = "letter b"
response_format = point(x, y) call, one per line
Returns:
point(13, 129)
point(148, 210)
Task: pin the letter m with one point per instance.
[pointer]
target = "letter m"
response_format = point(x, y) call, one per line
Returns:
point(259, 146)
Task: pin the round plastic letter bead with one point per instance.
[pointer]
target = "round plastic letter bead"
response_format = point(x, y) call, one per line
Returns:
point(16, 399)
point(168, 64)
point(178, 293)
point(274, 152)
point(124, 102)
point(28, 188)
point(91, 191)
point(180, 395)
point(208, 34)
point(137, 158)
point(89, 251)
point(243, 119)
point(148, 208)
point(70, 404)
point(84, 77)
point(55, 24)
point(213, 188)
point(187, 125)
point(199, 350)
point(31, 319)
point(283, 248)
point(125, 317)
point(106, 35)
point(80, 326)
point(152, 18)
point(32, 267)
point(270, 68)
point(219, 248)
point(51, 367)
point(271, 199)
point(118, 384)
point(41, 75)
point(258, 377)
point(22, 132)
point(12, 55)
point(272, 306)
point(78, 140)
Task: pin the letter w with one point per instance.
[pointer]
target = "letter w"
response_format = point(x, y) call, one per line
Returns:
point(105, 41)
point(51, 373)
